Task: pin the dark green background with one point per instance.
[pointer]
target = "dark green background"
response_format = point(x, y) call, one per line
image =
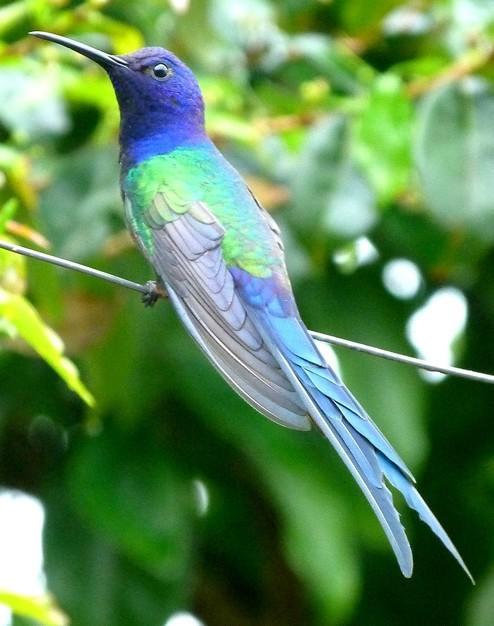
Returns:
point(350, 119)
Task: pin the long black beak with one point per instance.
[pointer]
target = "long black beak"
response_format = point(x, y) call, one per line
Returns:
point(102, 58)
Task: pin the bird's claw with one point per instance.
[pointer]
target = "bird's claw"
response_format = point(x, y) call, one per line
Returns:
point(155, 290)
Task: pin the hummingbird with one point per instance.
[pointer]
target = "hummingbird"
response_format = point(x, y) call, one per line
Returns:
point(219, 256)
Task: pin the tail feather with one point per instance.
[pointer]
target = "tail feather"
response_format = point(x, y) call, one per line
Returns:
point(357, 446)
point(363, 448)
point(379, 497)
point(327, 382)
point(417, 503)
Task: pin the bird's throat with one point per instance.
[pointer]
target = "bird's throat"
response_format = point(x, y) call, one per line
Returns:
point(138, 143)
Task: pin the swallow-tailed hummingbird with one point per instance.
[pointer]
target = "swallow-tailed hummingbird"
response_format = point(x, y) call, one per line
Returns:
point(219, 255)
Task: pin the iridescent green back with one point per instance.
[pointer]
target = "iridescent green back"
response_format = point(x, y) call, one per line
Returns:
point(201, 174)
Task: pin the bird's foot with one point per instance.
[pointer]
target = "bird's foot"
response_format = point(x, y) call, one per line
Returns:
point(155, 290)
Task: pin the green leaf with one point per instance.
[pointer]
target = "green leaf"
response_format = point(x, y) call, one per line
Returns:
point(482, 603)
point(12, 16)
point(332, 200)
point(317, 527)
point(29, 325)
point(77, 206)
point(7, 212)
point(221, 124)
point(93, 579)
point(15, 168)
point(29, 102)
point(454, 153)
point(124, 37)
point(382, 137)
point(42, 609)
point(136, 498)
point(12, 270)
point(361, 15)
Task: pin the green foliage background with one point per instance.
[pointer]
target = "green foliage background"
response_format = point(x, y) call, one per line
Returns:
point(350, 119)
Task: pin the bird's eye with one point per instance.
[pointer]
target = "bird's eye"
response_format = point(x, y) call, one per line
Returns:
point(160, 71)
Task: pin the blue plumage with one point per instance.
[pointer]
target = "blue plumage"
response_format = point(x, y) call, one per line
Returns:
point(220, 256)
point(360, 444)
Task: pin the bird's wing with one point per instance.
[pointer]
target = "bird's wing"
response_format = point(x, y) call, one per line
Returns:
point(185, 250)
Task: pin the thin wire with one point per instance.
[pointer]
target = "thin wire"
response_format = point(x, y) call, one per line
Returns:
point(72, 265)
point(337, 341)
point(402, 358)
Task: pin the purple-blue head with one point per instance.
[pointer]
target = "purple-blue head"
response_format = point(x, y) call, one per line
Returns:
point(161, 105)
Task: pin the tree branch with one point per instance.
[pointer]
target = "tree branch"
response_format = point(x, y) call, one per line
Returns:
point(337, 341)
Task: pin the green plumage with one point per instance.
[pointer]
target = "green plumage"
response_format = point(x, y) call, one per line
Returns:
point(219, 256)
point(190, 175)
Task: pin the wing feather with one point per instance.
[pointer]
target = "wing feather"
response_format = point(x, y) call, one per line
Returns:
point(187, 255)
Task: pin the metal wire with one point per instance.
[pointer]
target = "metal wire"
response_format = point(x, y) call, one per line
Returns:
point(337, 341)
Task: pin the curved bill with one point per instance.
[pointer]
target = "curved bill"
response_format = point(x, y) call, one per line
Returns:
point(102, 58)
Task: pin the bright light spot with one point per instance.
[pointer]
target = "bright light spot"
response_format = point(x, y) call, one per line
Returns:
point(183, 619)
point(360, 252)
point(473, 85)
point(5, 615)
point(21, 548)
point(202, 496)
point(180, 6)
point(402, 278)
point(434, 328)
point(472, 15)
point(329, 355)
point(406, 21)
point(366, 251)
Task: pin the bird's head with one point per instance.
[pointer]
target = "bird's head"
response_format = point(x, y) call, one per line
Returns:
point(158, 95)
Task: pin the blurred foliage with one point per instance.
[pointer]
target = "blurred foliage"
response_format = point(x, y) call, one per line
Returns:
point(350, 120)
point(41, 609)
